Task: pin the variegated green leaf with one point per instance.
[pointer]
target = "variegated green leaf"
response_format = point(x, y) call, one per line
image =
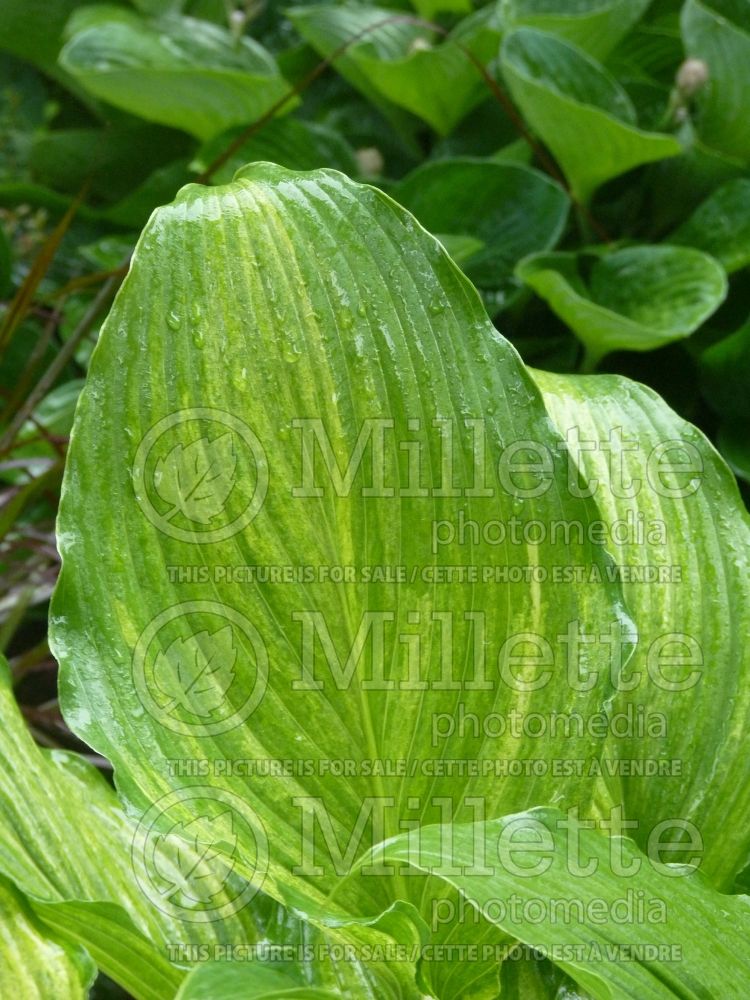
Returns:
point(558, 885)
point(144, 904)
point(305, 297)
point(33, 964)
point(685, 569)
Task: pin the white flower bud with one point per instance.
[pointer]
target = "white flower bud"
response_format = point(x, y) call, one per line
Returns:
point(237, 22)
point(420, 44)
point(370, 161)
point(691, 76)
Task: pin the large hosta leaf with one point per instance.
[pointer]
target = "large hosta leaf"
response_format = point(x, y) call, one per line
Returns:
point(404, 64)
point(721, 226)
point(236, 982)
point(560, 886)
point(178, 71)
point(33, 965)
point(596, 26)
point(578, 110)
point(510, 210)
point(143, 917)
point(689, 558)
point(718, 31)
point(635, 299)
point(66, 844)
point(521, 980)
point(300, 314)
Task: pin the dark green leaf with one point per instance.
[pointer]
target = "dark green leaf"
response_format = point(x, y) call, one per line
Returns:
point(512, 210)
point(595, 26)
point(718, 32)
point(178, 71)
point(721, 226)
point(578, 110)
point(403, 64)
point(635, 299)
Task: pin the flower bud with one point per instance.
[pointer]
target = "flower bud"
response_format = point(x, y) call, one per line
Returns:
point(370, 161)
point(420, 44)
point(691, 76)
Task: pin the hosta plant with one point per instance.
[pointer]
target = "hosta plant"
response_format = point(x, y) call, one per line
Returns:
point(400, 650)
point(401, 636)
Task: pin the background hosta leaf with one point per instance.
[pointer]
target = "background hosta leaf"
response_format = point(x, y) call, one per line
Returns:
point(429, 8)
point(652, 50)
point(725, 369)
point(461, 248)
point(721, 226)
point(732, 440)
point(342, 310)
point(159, 6)
point(527, 978)
point(697, 536)
point(578, 110)
point(293, 143)
point(133, 210)
point(113, 160)
point(178, 71)
point(33, 29)
point(33, 965)
point(596, 26)
point(703, 930)
point(718, 31)
point(511, 209)
point(679, 184)
point(634, 299)
point(6, 264)
point(405, 64)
